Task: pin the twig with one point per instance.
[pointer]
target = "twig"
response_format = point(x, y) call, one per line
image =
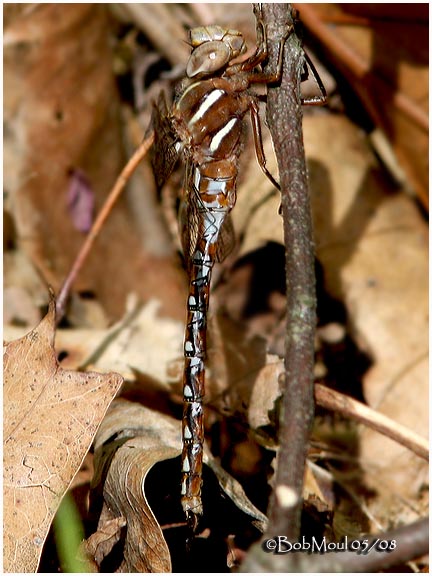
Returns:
point(404, 544)
point(332, 400)
point(117, 189)
point(284, 118)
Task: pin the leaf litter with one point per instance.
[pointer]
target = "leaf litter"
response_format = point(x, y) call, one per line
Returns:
point(124, 455)
point(371, 243)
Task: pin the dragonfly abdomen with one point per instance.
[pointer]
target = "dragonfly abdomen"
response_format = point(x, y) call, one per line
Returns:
point(212, 201)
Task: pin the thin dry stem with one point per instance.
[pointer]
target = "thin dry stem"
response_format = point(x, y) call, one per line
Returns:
point(105, 211)
point(332, 400)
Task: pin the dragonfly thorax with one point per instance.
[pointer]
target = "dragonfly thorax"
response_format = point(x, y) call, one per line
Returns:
point(208, 119)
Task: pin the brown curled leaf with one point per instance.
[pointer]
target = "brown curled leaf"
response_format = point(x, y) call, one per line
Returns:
point(131, 440)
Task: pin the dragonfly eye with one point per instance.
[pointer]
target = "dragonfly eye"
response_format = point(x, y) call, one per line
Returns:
point(208, 58)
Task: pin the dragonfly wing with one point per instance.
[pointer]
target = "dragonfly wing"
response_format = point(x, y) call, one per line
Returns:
point(189, 232)
point(164, 152)
point(189, 215)
point(191, 220)
point(226, 240)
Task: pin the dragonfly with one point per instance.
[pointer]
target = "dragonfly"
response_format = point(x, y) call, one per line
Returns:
point(204, 127)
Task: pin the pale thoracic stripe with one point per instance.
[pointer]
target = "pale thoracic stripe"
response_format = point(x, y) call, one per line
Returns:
point(219, 136)
point(206, 105)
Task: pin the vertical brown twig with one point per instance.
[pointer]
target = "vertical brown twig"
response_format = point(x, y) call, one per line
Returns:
point(284, 118)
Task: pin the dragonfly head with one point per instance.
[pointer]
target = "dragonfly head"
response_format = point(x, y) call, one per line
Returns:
point(213, 48)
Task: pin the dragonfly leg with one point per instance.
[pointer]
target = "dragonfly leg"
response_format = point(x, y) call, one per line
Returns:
point(261, 55)
point(259, 149)
point(261, 50)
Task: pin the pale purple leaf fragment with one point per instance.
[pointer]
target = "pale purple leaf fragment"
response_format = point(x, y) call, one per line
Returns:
point(80, 200)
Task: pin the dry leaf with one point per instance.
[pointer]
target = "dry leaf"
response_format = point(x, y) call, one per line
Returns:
point(257, 216)
point(147, 342)
point(18, 272)
point(50, 418)
point(143, 341)
point(64, 73)
point(234, 360)
point(131, 440)
point(61, 114)
point(265, 393)
point(160, 431)
point(101, 542)
point(373, 246)
point(145, 549)
point(382, 50)
point(19, 308)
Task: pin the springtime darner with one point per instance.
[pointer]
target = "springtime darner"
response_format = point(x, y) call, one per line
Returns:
point(205, 127)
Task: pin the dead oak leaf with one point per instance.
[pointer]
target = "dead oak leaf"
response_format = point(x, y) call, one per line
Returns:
point(50, 418)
